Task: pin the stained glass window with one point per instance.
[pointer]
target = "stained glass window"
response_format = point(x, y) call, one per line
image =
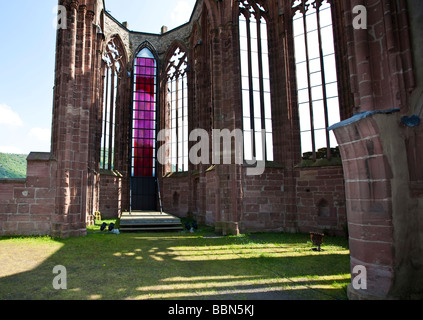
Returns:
point(144, 115)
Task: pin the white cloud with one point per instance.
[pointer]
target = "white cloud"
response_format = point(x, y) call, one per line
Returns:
point(41, 134)
point(9, 117)
point(182, 12)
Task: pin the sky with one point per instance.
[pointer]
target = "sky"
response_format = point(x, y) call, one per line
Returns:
point(27, 61)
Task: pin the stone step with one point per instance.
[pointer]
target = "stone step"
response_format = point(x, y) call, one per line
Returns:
point(149, 221)
point(152, 229)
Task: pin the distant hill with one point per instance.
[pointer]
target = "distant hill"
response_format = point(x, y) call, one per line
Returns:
point(12, 166)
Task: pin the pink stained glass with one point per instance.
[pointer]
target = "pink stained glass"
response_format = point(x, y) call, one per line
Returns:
point(144, 118)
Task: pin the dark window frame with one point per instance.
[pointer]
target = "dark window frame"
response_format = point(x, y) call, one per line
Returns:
point(248, 9)
point(176, 72)
point(112, 59)
point(303, 7)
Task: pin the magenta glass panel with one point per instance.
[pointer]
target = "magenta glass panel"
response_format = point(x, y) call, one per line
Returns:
point(144, 118)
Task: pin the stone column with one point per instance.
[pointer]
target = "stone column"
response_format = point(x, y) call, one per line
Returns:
point(382, 219)
point(227, 115)
point(71, 139)
point(382, 216)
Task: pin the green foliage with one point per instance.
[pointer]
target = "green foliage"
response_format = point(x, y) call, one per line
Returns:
point(12, 166)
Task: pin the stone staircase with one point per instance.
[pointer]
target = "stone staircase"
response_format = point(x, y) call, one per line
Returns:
point(145, 221)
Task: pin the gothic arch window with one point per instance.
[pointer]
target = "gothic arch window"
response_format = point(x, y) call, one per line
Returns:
point(255, 82)
point(112, 59)
point(177, 98)
point(144, 115)
point(317, 83)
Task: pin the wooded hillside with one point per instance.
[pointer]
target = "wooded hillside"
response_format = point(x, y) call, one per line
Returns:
point(12, 166)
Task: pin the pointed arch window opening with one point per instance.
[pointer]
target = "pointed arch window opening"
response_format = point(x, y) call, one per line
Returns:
point(255, 82)
point(317, 83)
point(177, 93)
point(112, 59)
point(144, 115)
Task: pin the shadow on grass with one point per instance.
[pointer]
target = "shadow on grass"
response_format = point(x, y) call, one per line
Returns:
point(180, 266)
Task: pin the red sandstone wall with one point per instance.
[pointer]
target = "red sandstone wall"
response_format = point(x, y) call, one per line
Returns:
point(110, 195)
point(202, 200)
point(212, 197)
point(27, 206)
point(319, 197)
point(321, 200)
point(175, 195)
point(319, 194)
point(263, 203)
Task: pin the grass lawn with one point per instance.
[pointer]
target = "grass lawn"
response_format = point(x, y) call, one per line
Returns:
point(176, 266)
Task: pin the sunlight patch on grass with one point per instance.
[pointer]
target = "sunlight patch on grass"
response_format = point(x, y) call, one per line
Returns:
point(205, 293)
point(241, 282)
point(14, 256)
point(130, 254)
point(231, 252)
point(156, 258)
point(163, 237)
point(252, 286)
point(205, 278)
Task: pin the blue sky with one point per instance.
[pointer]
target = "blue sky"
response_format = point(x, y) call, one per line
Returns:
point(27, 62)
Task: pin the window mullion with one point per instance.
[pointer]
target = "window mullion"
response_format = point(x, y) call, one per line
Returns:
point(250, 80)
point(112, 101)
point(310, 97)
point(171, 107)
point(322, 64)
point(260, 63)
point(106, 103)
point(183, 121)
point(177, 124)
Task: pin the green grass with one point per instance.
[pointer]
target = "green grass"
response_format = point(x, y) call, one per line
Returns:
point(175, 265)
